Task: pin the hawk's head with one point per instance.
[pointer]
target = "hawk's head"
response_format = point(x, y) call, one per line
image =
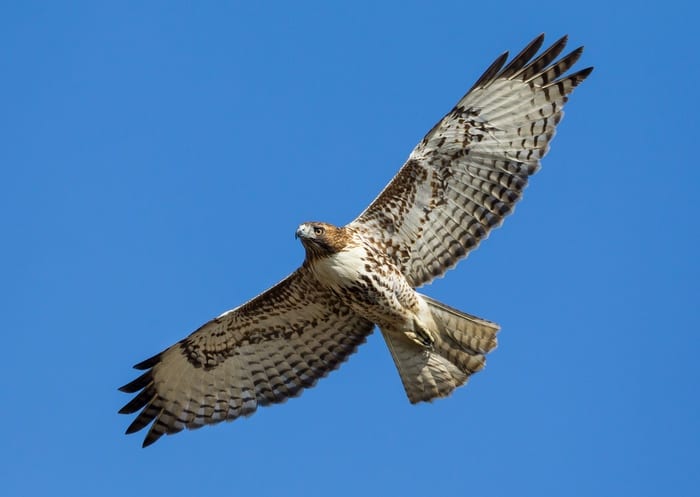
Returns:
point(322, 239)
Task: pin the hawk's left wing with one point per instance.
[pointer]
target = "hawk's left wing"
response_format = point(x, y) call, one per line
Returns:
point(260, 353)
point(468, 172)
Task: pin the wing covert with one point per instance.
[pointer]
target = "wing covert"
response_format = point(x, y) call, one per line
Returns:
point(470, 170)
point(260, 353)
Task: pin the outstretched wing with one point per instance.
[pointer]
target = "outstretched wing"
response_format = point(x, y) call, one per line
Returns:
point(260, 353)
point(469, 171)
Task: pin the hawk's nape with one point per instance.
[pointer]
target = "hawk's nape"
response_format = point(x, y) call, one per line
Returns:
point(471, 168)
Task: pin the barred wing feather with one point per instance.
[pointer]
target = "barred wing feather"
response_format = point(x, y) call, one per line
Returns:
point(470, 170)
point(260, 353)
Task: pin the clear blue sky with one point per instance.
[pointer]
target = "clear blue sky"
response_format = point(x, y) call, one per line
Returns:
point(157, 159)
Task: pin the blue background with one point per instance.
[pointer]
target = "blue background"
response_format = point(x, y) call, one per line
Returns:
point(156, 159)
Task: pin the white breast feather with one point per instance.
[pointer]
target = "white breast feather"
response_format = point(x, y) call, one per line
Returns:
point(342, 268)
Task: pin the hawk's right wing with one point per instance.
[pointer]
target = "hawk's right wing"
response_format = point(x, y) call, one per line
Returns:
point(469, 171)
point(260, 353)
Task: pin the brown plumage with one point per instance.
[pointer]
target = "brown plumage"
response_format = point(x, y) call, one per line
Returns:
point(459, 182)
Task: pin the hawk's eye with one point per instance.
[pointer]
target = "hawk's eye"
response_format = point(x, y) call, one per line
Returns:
point(318, 231)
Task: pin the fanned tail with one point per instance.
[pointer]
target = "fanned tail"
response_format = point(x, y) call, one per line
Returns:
point(459, 349)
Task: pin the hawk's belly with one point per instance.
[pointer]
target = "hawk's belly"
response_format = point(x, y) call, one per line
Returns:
point(369, 282)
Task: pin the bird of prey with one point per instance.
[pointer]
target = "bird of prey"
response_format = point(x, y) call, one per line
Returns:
point(459, 182)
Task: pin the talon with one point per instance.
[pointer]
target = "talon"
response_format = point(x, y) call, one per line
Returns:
point(423, 336)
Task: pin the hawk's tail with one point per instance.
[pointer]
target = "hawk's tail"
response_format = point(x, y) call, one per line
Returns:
point(459, 348)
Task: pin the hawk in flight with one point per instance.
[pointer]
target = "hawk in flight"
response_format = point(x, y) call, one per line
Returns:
point(459, 182)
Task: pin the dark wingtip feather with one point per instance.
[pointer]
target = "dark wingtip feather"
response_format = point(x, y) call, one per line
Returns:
point(152, 436)
point(491, 71)
point(135, 426)
point(141, 421)
point(579, 76)
point(149, 363)
point(138, 384)
point(574, 79)
point(549, 75)
point(561, 41)
point(149, 441)
point(538, 64)
point(520, 60)
point(139, 401)
point(557, 48)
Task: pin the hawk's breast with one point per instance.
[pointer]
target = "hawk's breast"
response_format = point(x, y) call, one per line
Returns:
point(342, 268)
point(368, 281)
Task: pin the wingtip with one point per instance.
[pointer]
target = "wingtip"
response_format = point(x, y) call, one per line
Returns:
point(148, 442)
point(138, 384)
point(133, 428)
point(579, 76)
point(130, 431)
point(148, 363)
point(153, 435)
point(492, 70)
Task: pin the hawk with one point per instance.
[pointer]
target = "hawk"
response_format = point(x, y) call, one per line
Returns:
point(459, 182)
